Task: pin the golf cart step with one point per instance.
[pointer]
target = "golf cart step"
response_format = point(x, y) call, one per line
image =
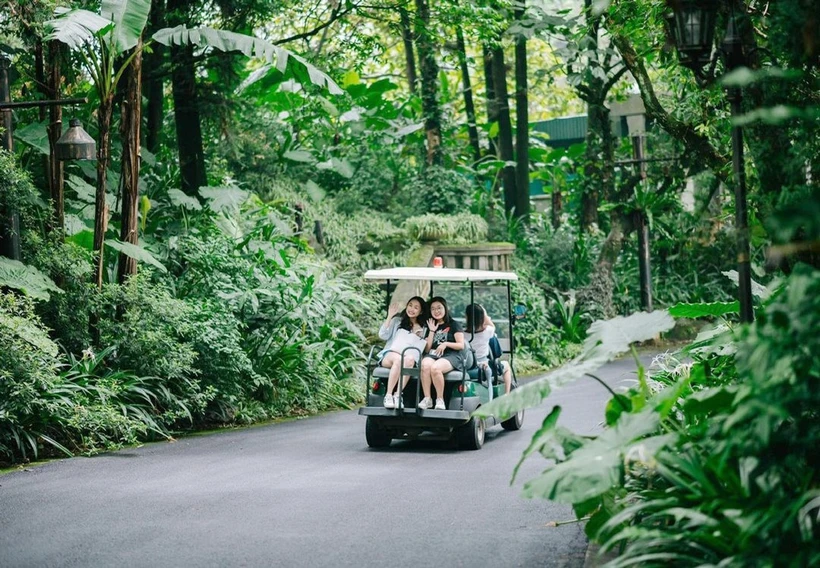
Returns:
point(429, 413)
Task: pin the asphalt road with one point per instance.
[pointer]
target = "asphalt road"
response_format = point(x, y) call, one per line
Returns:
point(301, 493)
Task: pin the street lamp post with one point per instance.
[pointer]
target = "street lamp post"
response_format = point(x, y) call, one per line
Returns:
point(75, 144)
point(693, 29)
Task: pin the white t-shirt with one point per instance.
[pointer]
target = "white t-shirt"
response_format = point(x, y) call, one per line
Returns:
point(403, 339)
point(481, 343)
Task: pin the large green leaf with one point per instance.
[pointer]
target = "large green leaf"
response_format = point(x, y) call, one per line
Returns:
point(129, 18)
point(84, 190)
point(759, 291)
point(136, 252)
point(712, 309)
point(31, 334)
point(605, 341)
point(224, 198)
point(75, 27)
point(596, 467)
point(18, 276)
point(35, 135)
point(250, 46)
point(180, 199)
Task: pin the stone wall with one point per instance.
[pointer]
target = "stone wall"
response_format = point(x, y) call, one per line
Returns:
point(485, 256)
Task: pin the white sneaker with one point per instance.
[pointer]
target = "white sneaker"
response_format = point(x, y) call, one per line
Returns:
point(440, 404)
point(425, 403)
point(389, 402)
point(397, 402)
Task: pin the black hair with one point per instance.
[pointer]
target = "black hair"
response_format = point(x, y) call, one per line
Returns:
point(475, 317)
point(448, 319)
point(405, 319)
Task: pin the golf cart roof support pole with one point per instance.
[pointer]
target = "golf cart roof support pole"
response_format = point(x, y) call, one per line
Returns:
point(472, 307)
point(511, 316)
point(387, 296)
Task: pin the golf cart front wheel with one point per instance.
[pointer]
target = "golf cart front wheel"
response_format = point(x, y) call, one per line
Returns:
point(514, 423)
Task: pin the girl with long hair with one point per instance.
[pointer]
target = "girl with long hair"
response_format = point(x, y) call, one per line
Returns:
point(481, 329)
point(402, 330)
point(445, 340)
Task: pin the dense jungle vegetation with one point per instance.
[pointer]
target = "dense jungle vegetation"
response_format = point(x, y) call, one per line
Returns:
point(255, 157)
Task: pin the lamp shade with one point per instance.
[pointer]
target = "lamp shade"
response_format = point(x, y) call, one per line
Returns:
point(693, 29)
point(75, 143)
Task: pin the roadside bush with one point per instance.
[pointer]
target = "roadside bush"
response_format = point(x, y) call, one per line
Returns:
point(709, 462)
point(437, 190)
point(463, 228)
point(560, 258)
point(536, 335)
point(29, 363)
point(68, 265)
point(150, 332)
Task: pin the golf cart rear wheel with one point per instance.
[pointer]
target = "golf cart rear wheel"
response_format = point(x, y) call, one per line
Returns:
point(375, 436)
point(471, 435)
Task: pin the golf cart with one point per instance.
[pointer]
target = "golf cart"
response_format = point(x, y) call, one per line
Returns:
point(464, 390)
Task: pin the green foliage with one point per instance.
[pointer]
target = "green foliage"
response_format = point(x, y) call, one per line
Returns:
point(438, 190)
point(561, 258)
point(462, 228)
point(17, 193)
point(67, 314)
point(28, 367)
point(707, 462)
point(151, 334)
point(27, 279)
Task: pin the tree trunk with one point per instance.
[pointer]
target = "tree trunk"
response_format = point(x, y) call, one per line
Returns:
point(556, 204)
point(469, 105)
point(186, 104)
point(100, 208)
point(489, 94)
point(522, 124)
point(48, 80)
point(409, 51)
point(505, 138)
point(598, 161)
point(152, 82)
point(130, 133)
point(429, 82)
point(56, 176)
point(9, 217)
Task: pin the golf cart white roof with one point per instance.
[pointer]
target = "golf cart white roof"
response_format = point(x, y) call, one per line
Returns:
point(438, 274)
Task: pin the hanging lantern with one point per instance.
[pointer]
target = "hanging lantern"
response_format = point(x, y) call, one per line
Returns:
point(693, 29)
point(75, 144)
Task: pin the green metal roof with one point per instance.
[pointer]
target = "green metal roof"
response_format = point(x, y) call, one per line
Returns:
point(563, 132)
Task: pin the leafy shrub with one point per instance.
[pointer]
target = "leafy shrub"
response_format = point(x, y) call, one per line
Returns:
point(437, 190)
point(536, 335)
point(66, 314)
point(560, 258)
point(294, 318)
point(151, 334)
point(464, 228)
point(711, 462)
point(29, 363)
point(16, 190)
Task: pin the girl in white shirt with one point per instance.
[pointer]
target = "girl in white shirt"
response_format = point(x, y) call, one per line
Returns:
point(479, 324)
point(402, 330)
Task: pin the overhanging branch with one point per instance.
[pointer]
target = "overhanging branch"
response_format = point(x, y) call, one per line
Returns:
point(695, 143)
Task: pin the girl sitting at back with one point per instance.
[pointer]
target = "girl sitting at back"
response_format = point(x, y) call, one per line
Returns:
point(482, 328)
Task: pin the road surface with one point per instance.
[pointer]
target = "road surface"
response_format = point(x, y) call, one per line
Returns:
point(306, 493)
